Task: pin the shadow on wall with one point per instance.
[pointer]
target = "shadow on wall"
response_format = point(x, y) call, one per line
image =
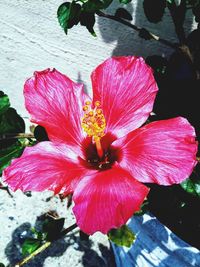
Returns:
point(178, 78)
point(90, 258)
point(81, 81)
point(127, 40)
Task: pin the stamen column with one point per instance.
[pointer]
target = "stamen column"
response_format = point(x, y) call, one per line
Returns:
point(94, 124)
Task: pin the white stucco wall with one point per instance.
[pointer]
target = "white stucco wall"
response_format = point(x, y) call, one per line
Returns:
point(31, 39)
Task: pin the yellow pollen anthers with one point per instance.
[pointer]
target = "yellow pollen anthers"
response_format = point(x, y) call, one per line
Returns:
point(93, 121)
point(94, 124)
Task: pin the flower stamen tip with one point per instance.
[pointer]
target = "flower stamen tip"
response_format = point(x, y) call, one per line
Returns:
point(93, 122)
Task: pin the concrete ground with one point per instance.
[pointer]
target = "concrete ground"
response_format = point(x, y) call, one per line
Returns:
point(20, 212)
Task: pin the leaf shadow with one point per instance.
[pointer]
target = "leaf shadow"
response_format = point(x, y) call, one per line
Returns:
point(128, 42)
point(90, 257)
point(13, 248)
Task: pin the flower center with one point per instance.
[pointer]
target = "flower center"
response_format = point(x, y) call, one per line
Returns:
point(94, 124)
point(104, 163)
point(91, 158)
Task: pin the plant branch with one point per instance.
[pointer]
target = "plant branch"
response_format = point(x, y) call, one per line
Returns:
point(45, 246)
point(136, 28)
point(36, 252)
point(16, 135)
point(67, 230)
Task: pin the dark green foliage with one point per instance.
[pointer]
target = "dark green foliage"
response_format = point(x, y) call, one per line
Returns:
point(63, 14)
point(10, 121)
point(10, 124)
point(123, 13)
point(2, 265)
point(70, 14)
point(51, 230)
point(122, 236)
point(176, 209)
point(30, 245)
point(88, 20)
point(95, 5)
point(158, 64)
point(125, 1)
point(7, 154)
point(40, 133)
point(192, 186)
point(53, 227)
point(4, 103)
point(75, 11)
point(143, 208)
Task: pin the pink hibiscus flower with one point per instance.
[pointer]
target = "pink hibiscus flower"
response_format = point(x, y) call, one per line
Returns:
point(97, 150)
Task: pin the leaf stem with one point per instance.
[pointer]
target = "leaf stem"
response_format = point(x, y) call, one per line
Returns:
point(36, 252)
point(67, 230)
point(45, 246)
point(136, 28)
point(15, 135)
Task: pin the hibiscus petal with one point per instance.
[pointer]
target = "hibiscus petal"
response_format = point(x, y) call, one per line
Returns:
point(126, 88)
point(45, 166)
point(55, 102)
point(107, 200)
point(162, 152)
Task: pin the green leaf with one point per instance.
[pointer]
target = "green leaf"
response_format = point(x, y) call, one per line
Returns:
point(40, 133)
point(2, 265)
point(158, 64)
point(4, 103)
point(143, 208)
point(88, 19)
point(75, 11)
point(68, 15)
point(192, 186)
point(38, 235)
point(123, 13)
point(122, 236)
point(92, 6)
point(11, 122)
point(63, 14)
point(125, 1)
point(30, 245)
point(9, 153)
point(53, 227)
